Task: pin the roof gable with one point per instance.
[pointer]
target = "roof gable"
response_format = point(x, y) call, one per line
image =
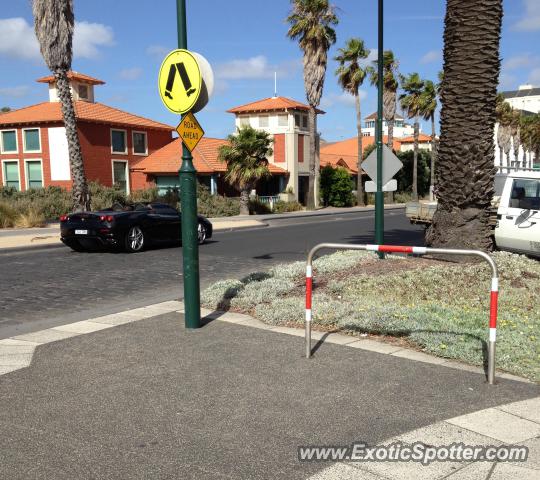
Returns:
point(271, 104)
point(80, 77)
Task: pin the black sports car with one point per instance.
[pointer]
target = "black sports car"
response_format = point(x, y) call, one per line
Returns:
point(129, 227)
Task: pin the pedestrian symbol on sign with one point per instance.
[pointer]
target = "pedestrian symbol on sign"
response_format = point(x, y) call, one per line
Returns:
point(181, 68)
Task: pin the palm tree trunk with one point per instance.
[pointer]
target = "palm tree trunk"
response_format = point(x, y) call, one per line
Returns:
point(310, 202)
point(244, 201)
point(80, 192)
point(415, 161)
point(359, 189)
point(433, 158)
point(465, 173)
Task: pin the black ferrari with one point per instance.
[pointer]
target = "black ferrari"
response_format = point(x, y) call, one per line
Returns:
point(128, 227)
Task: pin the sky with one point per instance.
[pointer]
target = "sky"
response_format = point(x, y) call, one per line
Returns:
point(123, 42)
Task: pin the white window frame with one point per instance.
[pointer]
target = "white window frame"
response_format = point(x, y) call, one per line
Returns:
point(24, 140)
point(113, 161)
point(283, 115)
point(133, 132)
point(266, 118)
point(2, 141)
point(125, 152)
point(305, 119)
point(11, 160)
point(244, 121)
point(26, 179)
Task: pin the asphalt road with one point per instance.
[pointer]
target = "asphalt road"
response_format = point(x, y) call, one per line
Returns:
point(49, 287)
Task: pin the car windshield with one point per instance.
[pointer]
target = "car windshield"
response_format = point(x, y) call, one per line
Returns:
point(525, 194)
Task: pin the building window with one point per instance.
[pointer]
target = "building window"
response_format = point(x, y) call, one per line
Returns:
point(83, 92)
point(297, 120)
point(118, 141)
point(34, 174)
point(8, 141)
point(11, 174)
point(283, 120)
point(305, 121)
point(244, 121)
point(31, 140)
point(140, 146)
point(263, 121)
point(120, 175)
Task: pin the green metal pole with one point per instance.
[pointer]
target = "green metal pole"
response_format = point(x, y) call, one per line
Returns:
point(188, 201)
point(379, 195)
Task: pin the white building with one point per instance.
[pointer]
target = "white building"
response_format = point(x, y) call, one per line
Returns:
point(401, 129)
point(527, 99)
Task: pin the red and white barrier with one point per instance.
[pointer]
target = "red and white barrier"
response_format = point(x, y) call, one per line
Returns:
point(411, 251)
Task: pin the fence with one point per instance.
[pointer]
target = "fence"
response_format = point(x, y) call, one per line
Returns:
point(410, 251)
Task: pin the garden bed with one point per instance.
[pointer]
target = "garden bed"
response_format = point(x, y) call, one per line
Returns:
point(435, 306)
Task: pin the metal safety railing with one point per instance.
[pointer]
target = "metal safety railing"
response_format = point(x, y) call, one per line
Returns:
point(410, 251)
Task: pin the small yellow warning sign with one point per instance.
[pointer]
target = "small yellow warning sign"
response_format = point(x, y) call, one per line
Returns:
point(190, 131)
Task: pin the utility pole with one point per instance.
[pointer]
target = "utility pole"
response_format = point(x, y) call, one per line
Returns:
point(188, 202)
point(379, 195)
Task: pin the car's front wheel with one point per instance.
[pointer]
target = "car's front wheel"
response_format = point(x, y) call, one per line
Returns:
point(201, 233)
point(135, 239)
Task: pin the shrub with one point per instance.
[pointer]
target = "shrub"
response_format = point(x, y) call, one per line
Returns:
point(29, 219)
point(336, 187)
point(258, 208)
point(7, 215)
point(283, 207)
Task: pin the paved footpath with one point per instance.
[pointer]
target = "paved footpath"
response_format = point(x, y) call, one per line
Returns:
point(135, 395)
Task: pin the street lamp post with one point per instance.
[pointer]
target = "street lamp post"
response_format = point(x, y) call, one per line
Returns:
point(188, 202)
point(379, 195)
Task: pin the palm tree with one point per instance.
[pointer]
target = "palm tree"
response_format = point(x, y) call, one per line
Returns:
point(311, 23)
point(351, 75)
point(54, 24)
point(412, 103)
point(390, 87)
point(515, 124)
point(465, 167)
point(246, 156)
point(429, 107)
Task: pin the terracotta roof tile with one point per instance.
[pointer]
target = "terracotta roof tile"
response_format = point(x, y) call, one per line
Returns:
point(345, 153)
point(167, 160)
point(422, 138)
point(271, 104)
point(81, 77)
point(84, 111)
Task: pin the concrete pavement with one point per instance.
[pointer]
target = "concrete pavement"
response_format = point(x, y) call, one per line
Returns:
point(135, 395)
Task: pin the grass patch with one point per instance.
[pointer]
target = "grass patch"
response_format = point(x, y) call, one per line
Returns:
point(439, 307)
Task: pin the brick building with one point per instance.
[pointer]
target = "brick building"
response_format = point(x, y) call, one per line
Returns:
point(33, 144)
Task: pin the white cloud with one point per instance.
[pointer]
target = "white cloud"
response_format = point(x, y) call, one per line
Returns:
point(15, 92)
point(130, 73)
point(534, 77)
point(254, 68)
point(88, 37)
point(17, 39)
point(343, 98)
point(531, 20)
point(431, 56)
point(157, 51)
point(524, 60)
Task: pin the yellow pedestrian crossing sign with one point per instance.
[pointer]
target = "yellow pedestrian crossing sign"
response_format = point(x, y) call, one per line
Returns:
point(190, 131)
point(179, 81)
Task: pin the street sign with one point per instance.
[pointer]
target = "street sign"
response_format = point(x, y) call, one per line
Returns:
point(391, 186)
point(190, 131)
point(390, 164)
point(179, 81)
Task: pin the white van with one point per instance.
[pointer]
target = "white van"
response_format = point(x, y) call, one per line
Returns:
point(518, 215)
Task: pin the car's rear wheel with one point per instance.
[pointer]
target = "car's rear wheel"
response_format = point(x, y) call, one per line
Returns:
point(135, 239)
point(201, 233)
